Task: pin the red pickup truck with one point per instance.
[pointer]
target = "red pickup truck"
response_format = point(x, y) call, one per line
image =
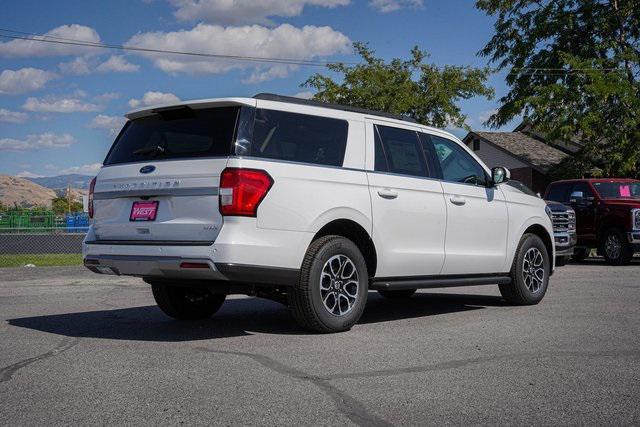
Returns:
point(607, 215)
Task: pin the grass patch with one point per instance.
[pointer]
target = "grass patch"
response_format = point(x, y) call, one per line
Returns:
point(39, 260)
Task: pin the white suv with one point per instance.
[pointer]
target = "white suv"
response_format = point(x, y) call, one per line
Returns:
point(309, 204)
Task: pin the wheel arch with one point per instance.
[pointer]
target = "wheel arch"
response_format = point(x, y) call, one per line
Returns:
point(355, 232)
point(542, 232)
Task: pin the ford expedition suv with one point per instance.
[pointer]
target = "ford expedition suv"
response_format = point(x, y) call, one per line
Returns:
point(309, 204)
point(607, 215)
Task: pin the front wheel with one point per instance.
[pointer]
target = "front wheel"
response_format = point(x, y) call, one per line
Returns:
point(529, 273)
point(615, 247)
point(185, 303)
point(332, 291)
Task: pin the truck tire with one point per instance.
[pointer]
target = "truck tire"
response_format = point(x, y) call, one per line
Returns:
point(529, 273)
point(399, 294)
point(615, 247)
point(332, 290)
point(184, 303)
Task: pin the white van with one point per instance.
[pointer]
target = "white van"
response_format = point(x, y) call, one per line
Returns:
point(310, 204)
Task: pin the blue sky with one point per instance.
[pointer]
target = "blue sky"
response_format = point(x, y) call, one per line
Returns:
point(61, 105)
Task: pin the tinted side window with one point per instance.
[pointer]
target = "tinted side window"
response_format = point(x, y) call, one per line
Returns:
point(456, 164)
point(559, 193)
point(584, 188)
point(299, 137)
point(402, 151)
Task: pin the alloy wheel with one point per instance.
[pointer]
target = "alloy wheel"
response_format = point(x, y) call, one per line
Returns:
point(339, 285)
point(533, 270)
point(613, 246)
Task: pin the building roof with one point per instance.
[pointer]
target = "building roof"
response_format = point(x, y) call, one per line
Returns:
point(529, 150)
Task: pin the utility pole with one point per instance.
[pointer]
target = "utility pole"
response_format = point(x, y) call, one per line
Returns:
point(68, 198)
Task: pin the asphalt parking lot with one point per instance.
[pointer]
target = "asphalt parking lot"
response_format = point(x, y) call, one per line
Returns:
point(79, 348)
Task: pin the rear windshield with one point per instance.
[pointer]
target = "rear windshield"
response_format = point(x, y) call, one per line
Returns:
point(175, 134)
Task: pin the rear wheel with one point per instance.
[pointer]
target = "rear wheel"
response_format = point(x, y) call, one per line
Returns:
point(400, 294)
point(529, 273)
point(615, 247)
point(332, 291)
point(186, 303)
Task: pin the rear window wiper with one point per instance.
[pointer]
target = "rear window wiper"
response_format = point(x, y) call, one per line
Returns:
point(155, 149)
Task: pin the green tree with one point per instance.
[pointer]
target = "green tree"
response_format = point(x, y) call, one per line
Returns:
point(572, 69)
point(411, 87)
point(60, 205)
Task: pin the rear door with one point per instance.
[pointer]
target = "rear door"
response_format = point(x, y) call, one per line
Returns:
point(160, 179)
point(409, 214)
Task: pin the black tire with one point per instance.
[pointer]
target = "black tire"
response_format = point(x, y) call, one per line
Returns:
point(306, 298)
point(524, 289)
point(399, 294)
point(561, 261)
point(184, 303)
point(580, 254)
point(615, 247)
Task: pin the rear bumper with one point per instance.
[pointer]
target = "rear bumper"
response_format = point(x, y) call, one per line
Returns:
point(164, 267)
point(242, 254)
point(198, 269)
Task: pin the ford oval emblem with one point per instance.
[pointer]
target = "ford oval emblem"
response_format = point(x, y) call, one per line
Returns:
point(147, 169)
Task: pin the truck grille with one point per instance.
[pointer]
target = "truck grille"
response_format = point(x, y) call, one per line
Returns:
point(563, 222)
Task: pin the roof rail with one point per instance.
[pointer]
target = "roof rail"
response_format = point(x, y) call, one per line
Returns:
point(301, 101)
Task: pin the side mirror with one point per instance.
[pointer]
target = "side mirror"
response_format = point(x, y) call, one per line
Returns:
point(576, 197)
point(500, 175)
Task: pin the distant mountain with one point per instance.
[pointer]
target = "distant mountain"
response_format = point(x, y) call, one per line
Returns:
point(62, 181)
point(24, 193)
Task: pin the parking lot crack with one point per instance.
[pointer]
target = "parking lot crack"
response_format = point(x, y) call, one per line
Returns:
point(347, 405)
point(7, 372)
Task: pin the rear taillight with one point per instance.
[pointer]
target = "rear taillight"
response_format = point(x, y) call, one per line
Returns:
point(92, 186)
point(242, 190)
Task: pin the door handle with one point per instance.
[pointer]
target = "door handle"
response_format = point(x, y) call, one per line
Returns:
point(387, 193)
point(458, 200)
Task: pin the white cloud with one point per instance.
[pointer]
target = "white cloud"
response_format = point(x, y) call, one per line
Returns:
point(31, 48)
point(77, 67)
point(284, 41)
point(23, 80)
point(154, 98)
point(229, 12)
point(386, 6)
point(9, 116)
point(111, 123)
point(59, 105)
point(27, 174)
point(304, 94)
point(36, 142)
point(485, 115)
point(118, 64)
point(89, 169)
point(106, 97)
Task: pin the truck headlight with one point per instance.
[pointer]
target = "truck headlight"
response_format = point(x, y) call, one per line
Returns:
point(635, 219)
point(571, 216)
